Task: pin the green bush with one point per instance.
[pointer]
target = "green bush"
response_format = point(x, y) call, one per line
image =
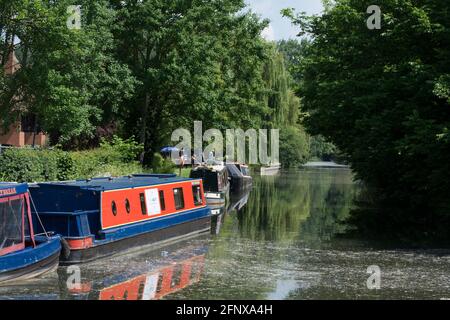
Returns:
point(30, 165)
point(294, 147)
point(122, 150)
point(161, 165)
point(322, 149)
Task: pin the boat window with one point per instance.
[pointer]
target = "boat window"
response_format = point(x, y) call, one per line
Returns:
point(162, 201)
point(11, 223)
point(26, 221)
point(127, 206)
point(143, 206)
point(114, 208)
point(196, 191)
point(179, 198)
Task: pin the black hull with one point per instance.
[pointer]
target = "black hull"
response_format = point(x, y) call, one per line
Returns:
point(137, 242)
point(35, 270)
point(241, 184)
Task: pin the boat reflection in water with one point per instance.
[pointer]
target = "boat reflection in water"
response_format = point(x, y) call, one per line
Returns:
point(235, 205)
point(144, 276)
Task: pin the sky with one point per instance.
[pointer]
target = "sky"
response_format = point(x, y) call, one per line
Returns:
point(280, 27)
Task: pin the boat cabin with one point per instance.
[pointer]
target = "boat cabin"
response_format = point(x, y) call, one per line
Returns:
point(240, 178)
point(215, 181)
point(215, 178)
point(23, 254)
point(15, 218)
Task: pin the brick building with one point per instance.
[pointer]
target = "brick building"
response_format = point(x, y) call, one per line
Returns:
point(22, 132)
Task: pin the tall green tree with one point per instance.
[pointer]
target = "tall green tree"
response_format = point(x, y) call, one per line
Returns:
point(382, 96)
point(68, 77)
point(194, 59)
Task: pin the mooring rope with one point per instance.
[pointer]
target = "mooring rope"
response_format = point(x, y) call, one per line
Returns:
point(37, 215)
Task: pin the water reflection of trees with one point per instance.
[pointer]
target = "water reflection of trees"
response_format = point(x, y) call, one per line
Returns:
point(306, 205)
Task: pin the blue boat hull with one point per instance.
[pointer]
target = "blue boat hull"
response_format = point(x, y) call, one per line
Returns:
point(140, 236)
point(31, 262)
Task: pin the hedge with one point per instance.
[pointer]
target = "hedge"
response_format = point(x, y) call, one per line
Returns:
point(31, 165)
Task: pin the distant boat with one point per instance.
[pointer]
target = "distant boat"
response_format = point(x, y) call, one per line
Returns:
point(215, 181)
point(105, 216)
point(269, 170)
point(325, 164)
point(23, 255)
point(240, 177)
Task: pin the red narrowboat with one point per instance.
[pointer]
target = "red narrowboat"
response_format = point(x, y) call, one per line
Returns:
point(103, 216)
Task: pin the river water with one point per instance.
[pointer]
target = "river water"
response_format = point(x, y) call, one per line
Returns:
point(278, 241)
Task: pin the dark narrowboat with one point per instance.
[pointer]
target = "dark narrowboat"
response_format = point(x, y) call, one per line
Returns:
point(240, 177)
point(215, 181)
point(103, 216)
point(23, 255)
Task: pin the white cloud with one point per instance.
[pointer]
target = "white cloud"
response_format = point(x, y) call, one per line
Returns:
point(268, 33)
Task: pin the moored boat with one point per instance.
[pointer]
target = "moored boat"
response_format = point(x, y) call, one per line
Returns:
point(240, 177)
point(215, 181)
point(23, 255)
point(270, 170)
point(105, 216)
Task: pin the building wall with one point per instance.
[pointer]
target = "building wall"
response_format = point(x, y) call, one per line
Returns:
point(15, 136)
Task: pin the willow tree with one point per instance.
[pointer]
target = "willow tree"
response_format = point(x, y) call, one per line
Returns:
point(284, 110)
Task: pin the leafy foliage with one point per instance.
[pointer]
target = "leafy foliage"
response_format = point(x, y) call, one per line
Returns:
point(28, 165)
point(381, 96)
point(162, 165)
point(294, 147)
point(141, 69)
point(68, 77)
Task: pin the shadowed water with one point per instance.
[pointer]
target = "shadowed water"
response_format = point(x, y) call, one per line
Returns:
point(277, 242)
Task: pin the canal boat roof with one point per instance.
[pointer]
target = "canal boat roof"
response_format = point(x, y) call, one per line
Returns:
point(117, 183)
point(214, 168)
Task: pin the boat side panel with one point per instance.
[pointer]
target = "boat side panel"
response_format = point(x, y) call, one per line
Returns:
point(120, 216)
point(138, 241)
point(70, 212)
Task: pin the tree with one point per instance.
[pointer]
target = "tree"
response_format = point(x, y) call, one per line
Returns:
point(294, 51)
point(195, 60)
point(382, 97)
point(68, 77)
